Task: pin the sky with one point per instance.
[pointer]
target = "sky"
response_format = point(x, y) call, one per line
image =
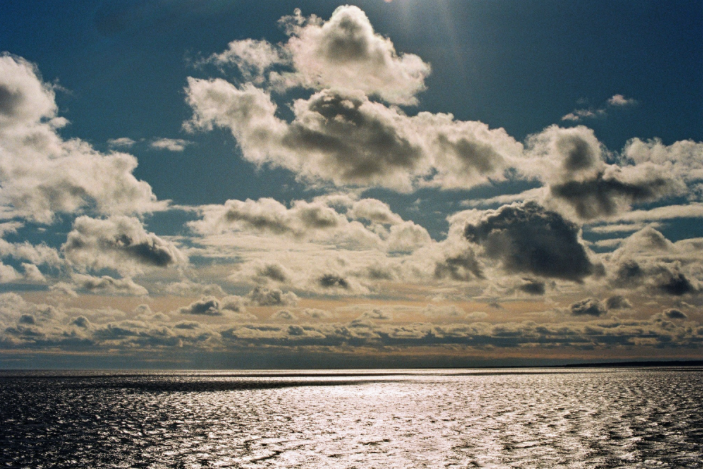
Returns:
point(409, 183)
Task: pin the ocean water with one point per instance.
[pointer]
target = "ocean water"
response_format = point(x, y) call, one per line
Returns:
point(354, 419)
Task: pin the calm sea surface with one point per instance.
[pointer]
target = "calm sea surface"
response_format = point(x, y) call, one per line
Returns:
point(411, 418)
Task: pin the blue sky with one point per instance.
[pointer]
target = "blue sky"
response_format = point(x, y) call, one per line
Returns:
point(222, 183)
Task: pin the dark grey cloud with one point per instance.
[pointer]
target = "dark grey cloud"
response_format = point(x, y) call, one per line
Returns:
point(529, 239)
point(665, 277)
point(319, 217)
point(357, 141)
point(27, 319)
point(81, 321)
point(578, 154)
point(23, 96)
point(474, 156)
point(648, 261)
point(271, 272)
point(533, 287)
point(675, 314)
point(151, 251)
point(206, 306)
point(10, 100)
point(588, 307)
point(673, 282)
point(605, 195)
point(617, 302)
point(460, 267)
point(628, 273)
point(189, 325)
point(333, 281)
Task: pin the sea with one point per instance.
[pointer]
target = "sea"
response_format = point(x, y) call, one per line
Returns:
point(540, 417)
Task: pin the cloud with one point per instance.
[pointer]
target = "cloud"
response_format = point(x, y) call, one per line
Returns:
point(346, 53)
point(340, 134)
point(8, 273)
point(617, 101)
point(407, 237)
point(206, 306)
point(270, 216)
point(81, 321)
point(529, 239)
point(675, 314)
point(233, 303)
point(683, 158)
point(374, 211)
point(251, 56)
point(314, 313)
point(109, 285)
point(533, 287)
point(32, 273)
point(41, 174)
point(189, 288)
point(262, 272)
point(588, 307)
point(667, 212)
point(63, 288)
point(345, 138)
point(617, 302)
point(232, 306)
point(620, 100)
point(170, 144)
point(447, 312)
point(375, 315)
point(43, 327)
point(600, 334)
point(579, 114)
point(332, 281)
point(461, 267)
point(36, 254)
point(620, 228)
point(672, 281)
point(24, 99)
point(263, 296)
point(615, 190)
point(118, 243)
point(122, 142)
point(648, 261)
point(284, 315)
point(571, 163)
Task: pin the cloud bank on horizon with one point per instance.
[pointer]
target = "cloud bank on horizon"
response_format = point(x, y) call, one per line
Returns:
point(337, 272)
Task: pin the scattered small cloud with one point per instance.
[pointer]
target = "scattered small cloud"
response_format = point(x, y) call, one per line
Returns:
point(620, 100)
point(122, 142)
point(675, 314)
point(616, 101)
point(588, 307)
point(170, 144)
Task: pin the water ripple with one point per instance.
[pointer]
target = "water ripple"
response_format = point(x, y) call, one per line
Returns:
point(584, 418)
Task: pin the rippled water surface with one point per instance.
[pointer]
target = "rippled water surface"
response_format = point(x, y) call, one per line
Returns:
point(463, 418)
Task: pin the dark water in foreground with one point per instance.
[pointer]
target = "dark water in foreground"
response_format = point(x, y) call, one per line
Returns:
point(414, 418)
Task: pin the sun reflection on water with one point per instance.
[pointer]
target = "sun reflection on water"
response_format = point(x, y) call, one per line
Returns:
point(415, 419)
